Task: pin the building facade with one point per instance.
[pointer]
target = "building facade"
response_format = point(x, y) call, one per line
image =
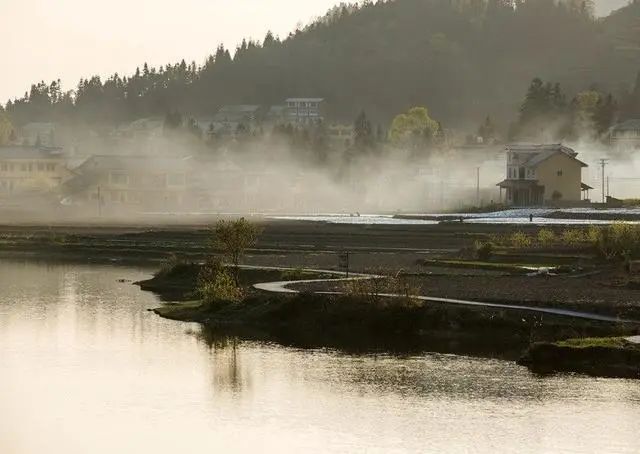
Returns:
point(31, 170)
point(304, 110)
point(130, 184)
point(542, 175)
point(626, 135)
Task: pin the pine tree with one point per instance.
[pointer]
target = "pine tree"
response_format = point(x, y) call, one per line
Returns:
point(487, 129)
point(268, 39)
point(605, 114)
point(634, 100)
point(363, 133)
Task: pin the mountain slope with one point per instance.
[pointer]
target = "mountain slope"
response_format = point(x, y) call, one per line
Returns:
point(461, 59)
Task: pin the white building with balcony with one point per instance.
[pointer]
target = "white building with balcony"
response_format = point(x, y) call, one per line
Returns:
point(304, 110)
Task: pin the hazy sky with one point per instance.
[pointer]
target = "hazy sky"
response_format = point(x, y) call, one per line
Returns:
point(69, 39)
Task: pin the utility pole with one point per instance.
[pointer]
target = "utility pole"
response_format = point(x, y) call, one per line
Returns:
point(603, 164)
point(99, 202)
point(478, 186)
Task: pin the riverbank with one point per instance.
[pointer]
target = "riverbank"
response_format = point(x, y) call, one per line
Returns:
point(366, 321)
point(612, 357)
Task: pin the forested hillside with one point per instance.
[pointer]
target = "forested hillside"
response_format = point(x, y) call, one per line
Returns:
point(462, 59)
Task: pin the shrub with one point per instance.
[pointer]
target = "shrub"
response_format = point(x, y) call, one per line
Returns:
point(297, 274)
point(483, 250)
point(373, 290)
point(593, 234)
point(216, 284)
point(546, 237)
point(520, 240)
point(573, 237)
point(170, 265)
point(619, 241)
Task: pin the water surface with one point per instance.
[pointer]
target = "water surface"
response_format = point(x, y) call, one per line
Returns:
point(85, 368)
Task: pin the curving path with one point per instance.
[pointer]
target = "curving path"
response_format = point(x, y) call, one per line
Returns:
point(282, 287)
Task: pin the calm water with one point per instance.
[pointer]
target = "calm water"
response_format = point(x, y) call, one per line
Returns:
point(84, 368)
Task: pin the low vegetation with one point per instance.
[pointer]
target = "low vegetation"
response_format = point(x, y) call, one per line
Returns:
point(588, 342)
point(617, 241)
point(377, 290)
point(216, 284)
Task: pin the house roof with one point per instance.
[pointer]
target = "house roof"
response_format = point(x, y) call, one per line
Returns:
point(17, 152)
point(629, 125)
point(304, 100)
point(522, 184)
point(541, 152)
point(148, 164)
point(240, 108)
point(538, 148)
point(543, 156)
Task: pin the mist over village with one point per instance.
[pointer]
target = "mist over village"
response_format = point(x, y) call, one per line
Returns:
point(429, 209)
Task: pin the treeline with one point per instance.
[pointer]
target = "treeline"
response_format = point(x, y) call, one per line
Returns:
point(462, 58)
point(547, 113)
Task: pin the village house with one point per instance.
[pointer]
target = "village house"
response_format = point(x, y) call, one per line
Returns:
point(229, 120)
point(31, 170)
point(626, 135)
point(38, 134)
point(304, 110)
point(542, 175)
point(130, 184)
point(340, 136)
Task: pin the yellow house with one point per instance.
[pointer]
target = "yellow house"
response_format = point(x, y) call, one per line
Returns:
point(543, 175)
point(31, 170)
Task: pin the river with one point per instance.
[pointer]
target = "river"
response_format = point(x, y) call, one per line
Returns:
point(85, 368)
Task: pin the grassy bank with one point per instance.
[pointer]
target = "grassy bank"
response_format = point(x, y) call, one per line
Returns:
point(613, 357)
point(361, 322)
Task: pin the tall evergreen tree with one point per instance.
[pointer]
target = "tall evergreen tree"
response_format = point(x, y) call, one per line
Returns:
point(363, 133)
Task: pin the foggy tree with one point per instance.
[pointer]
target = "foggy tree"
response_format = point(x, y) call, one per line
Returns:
point(583, 110)
point(233, 238)
point(544, 106)
point(632, 106)
point(487, 129)
point(172, 120)
point(363, 133)
point(6, 128)
point(605, 113)
point(414, 129)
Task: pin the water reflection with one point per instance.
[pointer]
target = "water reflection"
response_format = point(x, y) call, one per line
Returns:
point(87, 368)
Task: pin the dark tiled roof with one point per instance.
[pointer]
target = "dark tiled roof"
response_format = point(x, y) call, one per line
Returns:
point(149, 164)
point(629, 125)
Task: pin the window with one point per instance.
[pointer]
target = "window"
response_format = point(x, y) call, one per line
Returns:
point(23, 167)
point(30, 166)
point(175, 179)
point(119, 178)
point(559, 173)
point(51, 167)
point(40, 167)
point(4, 166)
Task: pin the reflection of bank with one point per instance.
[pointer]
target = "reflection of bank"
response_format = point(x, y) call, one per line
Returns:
point(111, 184)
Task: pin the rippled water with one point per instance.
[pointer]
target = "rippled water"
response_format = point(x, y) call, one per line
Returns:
point(84, 368)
